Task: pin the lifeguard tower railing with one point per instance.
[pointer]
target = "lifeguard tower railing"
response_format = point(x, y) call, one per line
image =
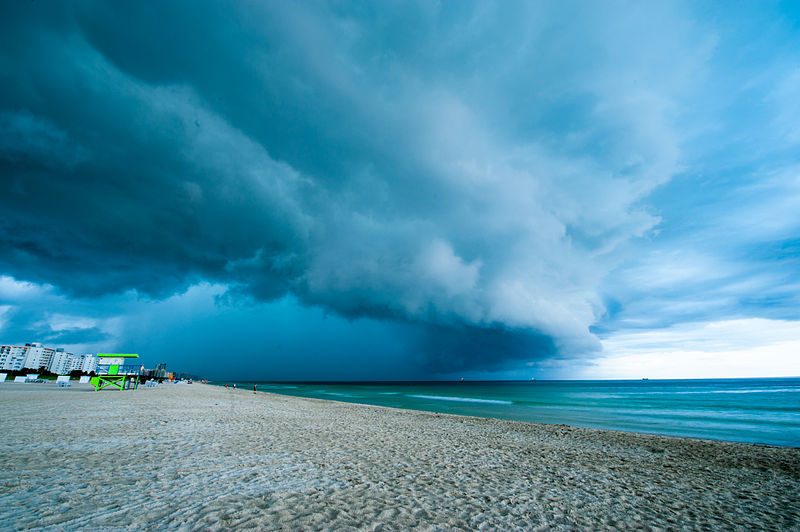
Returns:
point(125, 369)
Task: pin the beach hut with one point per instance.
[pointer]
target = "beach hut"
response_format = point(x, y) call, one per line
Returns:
point(114, 373)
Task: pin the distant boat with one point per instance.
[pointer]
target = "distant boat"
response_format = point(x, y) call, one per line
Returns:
point(645, 379)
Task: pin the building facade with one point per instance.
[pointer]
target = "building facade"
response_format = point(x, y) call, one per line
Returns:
point(12, 357)
point(61, 362)
point(86, 363)
point(38, 356)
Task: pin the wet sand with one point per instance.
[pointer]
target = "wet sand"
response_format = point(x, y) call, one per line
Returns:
point(204, 457)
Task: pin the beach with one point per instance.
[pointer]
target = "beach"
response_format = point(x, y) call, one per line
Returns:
point(206, 457)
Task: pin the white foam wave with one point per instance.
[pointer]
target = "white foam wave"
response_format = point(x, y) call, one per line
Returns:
point(763, 390)
point(463, 399)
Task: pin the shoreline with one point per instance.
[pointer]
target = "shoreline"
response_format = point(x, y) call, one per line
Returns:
point(203, 456)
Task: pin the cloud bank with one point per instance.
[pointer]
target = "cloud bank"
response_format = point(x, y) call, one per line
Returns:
point(472, 171)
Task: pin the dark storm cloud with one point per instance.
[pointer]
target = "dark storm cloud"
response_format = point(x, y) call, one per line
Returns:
point(451, 350)
point(452, 167)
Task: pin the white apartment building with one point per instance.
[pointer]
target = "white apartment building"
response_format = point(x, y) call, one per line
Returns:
point(35, 355)
point(38, 356)
point(12, 357)
point(86, 363)
point(61, 362)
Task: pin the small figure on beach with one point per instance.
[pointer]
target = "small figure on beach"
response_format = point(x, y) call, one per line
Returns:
point(254, 388)
point(226, 384)
point(234, 385)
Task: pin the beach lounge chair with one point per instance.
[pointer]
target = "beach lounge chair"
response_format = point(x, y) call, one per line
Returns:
point(63, 381)
point(31, 377)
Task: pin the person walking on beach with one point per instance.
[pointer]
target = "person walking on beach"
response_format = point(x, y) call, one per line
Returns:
point(234, 385)
point(254, 388)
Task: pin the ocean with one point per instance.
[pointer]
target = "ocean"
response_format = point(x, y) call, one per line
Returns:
point(765, 411)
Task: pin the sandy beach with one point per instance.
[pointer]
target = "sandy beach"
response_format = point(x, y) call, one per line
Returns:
point(205, 457)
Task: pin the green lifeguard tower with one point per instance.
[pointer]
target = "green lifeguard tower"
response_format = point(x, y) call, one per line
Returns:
point(114, 373)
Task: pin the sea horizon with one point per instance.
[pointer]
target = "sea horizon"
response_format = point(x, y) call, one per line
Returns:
point(388, 381)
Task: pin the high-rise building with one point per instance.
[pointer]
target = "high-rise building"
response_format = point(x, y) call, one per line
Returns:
point(12, 357)
point(38, 356)
point(35, 356)
point(86, 363)
point(61, 362)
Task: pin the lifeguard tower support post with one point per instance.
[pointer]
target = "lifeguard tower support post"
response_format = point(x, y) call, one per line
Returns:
point(114, 373)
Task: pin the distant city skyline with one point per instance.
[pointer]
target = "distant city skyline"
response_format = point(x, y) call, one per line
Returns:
point(34, 356)
point(322, 191)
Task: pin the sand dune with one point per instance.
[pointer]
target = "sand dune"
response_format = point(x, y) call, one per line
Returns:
point(205, 457)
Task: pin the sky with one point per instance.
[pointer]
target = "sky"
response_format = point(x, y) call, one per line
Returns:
point(404, 190)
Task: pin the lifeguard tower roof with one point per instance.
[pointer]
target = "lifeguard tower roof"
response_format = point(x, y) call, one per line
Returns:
point(117, 355)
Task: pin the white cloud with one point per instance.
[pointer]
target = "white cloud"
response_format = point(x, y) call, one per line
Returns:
point(767, 208)
point(59, 321)
point(751, 347)
point(14, 290)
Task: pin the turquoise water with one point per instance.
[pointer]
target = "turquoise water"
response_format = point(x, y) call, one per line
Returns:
point(763, 411)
